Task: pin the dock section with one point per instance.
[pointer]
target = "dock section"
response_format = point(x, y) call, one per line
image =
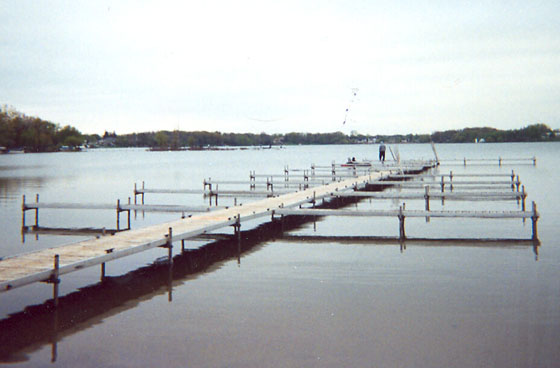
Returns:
point(47, 265)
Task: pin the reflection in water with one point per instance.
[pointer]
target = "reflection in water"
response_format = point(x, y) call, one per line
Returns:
point(430, 242)
point(37, 325)
point(20, 167)
point(10, 186)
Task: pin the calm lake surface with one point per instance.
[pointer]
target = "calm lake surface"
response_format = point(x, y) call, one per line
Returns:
point(284, 302)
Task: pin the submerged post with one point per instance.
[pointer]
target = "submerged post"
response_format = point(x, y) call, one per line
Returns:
point(169, 246)
point(55, 280)
point(402, 235)
point(107, 251)
point(534, 219)
point(523, 196)
point(128, 215)
point(23, 209)
point(427, 198)
point(37, 211)
point(170, 263)
point(118, 214)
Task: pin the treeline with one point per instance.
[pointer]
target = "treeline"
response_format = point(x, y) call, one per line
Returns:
point(177, 139)
point(531, 133)
point(32, 134)
point(199, 139)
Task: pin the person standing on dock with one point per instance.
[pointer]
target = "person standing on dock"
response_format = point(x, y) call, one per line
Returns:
point(382, 152)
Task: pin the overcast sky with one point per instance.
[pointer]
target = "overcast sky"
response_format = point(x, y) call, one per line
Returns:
point(282, 66)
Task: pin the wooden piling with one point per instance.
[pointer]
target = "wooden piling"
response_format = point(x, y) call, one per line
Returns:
point(524, 196)
point(118, 214)
point(402, 234)
point(55, 280)
point(169, 246)
point(534, 220)
point(23, 209)
point(37, 212)
point(107, 251)
point(128, 215)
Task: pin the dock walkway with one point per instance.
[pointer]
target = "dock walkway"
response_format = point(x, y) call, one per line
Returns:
point(48, 264)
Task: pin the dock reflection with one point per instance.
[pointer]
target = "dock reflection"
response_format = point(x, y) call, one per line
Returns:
point(428, 242)
point(38, 325)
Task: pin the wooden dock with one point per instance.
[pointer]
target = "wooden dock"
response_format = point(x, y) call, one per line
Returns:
point(284, 198)
point(47, 265)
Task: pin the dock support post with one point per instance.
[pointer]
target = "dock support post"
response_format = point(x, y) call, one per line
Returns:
point(118, 214)
point(517, 183)
point(237, 234)
point(23, 209)
point(107, 251)
point(465, 161)
point(534, 161)
point(182, 246)
point(135, 193)
point(252, 176)
point(402, 235)
point(128, 215)
point(55, 280)
point(169, 246)
point(37, 212)
point(534, 219)
point(523, 197)
point(427, 198)
point(499, 161)
point(442, 185)
point(143, 187)
point(512, 176)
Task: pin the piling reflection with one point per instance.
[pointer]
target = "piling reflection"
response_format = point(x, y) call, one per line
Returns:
point(39, 325)
point(402, 243)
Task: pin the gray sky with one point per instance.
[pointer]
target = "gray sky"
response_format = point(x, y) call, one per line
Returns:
point(282, 66)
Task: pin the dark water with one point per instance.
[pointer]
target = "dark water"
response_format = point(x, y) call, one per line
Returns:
point(284, 302)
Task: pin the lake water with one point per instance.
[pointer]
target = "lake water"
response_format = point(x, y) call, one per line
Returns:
point(284, 302)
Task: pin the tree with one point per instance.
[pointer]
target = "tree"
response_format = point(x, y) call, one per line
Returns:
point(161, 139)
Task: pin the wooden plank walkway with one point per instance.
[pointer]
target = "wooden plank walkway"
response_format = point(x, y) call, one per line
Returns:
point(48, 264)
